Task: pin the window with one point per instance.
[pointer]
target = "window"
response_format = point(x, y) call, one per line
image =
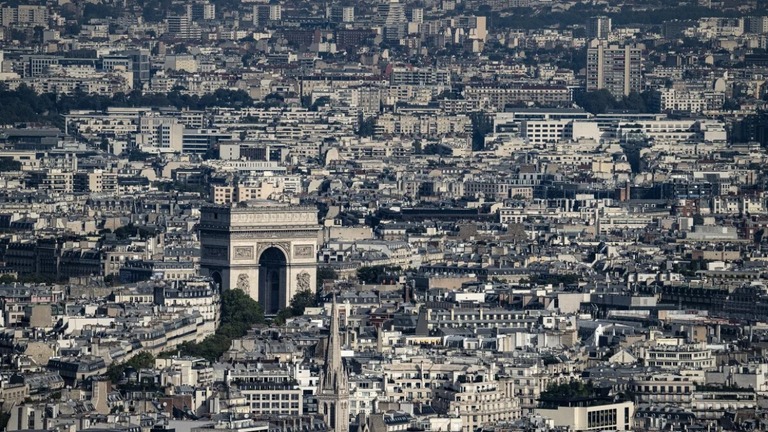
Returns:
point(601, 418)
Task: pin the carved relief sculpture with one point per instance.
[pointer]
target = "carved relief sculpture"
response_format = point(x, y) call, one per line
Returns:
point(302, 281)
point(303, 251)
point(243, 283)
point(243, 252)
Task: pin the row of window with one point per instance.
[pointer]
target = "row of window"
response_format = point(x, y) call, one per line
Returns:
point(670, 389)
point(273, 396)
point(605, 418)
point(275, 405)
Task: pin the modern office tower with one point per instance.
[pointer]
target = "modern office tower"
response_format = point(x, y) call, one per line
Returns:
point(598, 27)
point(391, 17)
point(201, 11)
point(275, 12)
point(140, 65)
point(417, 15)
point(348, 14)
point(615, 68)
point(262, 14)
point(756, 24)
point(341, 14)
point(179, 26)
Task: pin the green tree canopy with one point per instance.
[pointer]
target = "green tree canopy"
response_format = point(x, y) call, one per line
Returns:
point(239, 313)
point(375, 274)
point(300, 301)
point(8, 164)
point(596, 102)
point(366, 126)
point(142, 360)
point(326, 273)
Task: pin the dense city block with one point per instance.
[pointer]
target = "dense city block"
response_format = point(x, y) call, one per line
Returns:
point(383, 215)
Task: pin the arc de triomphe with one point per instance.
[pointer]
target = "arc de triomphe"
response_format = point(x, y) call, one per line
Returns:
point(266, 250)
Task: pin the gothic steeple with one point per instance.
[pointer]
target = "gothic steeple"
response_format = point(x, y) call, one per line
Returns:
point(333, 394)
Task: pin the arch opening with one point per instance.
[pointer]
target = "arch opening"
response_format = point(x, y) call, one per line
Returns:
point(273, 269)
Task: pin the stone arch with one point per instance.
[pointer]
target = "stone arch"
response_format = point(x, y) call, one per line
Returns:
point(235, 239)
point(284, 247)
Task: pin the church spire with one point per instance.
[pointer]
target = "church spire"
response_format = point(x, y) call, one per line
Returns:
point(333, 366)
point(333, 394)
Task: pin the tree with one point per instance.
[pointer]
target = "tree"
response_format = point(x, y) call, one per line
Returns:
point(437, 149)
point(142, 360)
point(282, 316)
point(274, 100)
point(571, 390)
point(299, 303)
point(374, 274)
point(132, 230)
point(731, 104)
point(8, 164)
point(369, 274)
point(320, 102)
point(239, 313)
point(326, 273)
point(111, 280)
point(302, 300)
point(634, 102)
point(137, 155)
point(596, 102)
point(237, 306)
point(365, 126)
point(99, 11)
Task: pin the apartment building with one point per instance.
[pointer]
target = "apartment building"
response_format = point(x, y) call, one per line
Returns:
point(53, 181)
point(419, 77)
point(615, 68)
point(492, 188)
point(673, 354)
point(479, 317)
point(498, 97)
point(416, 380)
point(24, 14)
point(478, 399)
point(670, 99)
point(199, 295)
point(599, 27)
point(609, 416)
point(431, 126)
point(664, 388)
point(280, 398)
point(96, 181)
